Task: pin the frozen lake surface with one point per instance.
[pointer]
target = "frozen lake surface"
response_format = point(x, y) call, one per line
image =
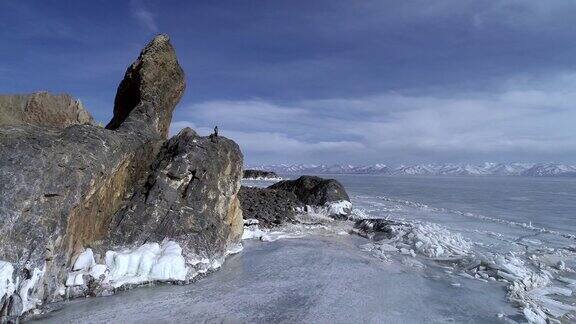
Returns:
point(313, 279)
point(519, 228)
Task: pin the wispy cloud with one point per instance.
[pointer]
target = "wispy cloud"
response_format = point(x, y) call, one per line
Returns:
point(144, 16)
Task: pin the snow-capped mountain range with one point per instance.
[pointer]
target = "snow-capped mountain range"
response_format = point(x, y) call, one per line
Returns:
point(484, 169)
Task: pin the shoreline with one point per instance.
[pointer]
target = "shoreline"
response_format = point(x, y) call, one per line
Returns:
point(287, 280)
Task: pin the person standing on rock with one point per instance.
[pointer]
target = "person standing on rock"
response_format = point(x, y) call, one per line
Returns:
point(214, 136)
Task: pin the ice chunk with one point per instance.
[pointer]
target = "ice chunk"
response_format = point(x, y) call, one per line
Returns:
point(533, 317)
point(27, 287)
point(342, 207)
point(146, 263)
point(84, 261)
point(170, 265)
point(98, 270)
point(253, 232)
point(6, 283)
point(75, 278)
point(234, 248)
point(430, 240)
point(251, 221)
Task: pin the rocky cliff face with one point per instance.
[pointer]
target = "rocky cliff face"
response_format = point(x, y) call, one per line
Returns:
point(70, 197)
point(43, 109)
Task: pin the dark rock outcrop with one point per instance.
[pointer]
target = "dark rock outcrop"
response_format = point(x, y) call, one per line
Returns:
point(316, 191)
point(312, 190)
point(63, 190)
point(259, 174)
point(305, 200)
point(43, 109)
point(271, 207)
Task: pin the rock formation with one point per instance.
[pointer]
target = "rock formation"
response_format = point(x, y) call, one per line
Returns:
point(69, 194)
point(316, 191)
point(260, 174)
point(151, 87)
point(43, 109)
point(190, 197)
point(271, 207)
point(306, 200)
point(312, 190)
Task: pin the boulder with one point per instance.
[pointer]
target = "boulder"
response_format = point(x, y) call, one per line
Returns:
point(260, 174)
point(271, 207)
point(43, 109)
point(318, 192)
point(70, 194)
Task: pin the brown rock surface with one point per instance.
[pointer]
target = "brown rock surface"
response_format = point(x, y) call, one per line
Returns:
point(43, 109)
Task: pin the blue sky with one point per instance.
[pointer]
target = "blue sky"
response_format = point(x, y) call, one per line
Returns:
point(325, 81)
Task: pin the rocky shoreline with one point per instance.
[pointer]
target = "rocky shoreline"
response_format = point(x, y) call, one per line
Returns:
point(88, 211)
point(80, 202)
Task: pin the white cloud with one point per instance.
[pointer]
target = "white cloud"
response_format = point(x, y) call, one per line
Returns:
point(525, 119)
point(143, 15)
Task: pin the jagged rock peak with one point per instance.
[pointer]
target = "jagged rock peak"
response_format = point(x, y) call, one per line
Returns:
point(150, 90)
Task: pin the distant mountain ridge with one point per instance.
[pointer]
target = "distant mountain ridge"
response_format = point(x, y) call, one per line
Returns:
point(436, 169)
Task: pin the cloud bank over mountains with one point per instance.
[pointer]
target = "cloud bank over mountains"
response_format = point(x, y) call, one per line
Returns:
point(524, 120)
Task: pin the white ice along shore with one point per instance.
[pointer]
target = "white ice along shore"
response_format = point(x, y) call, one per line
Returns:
point(252, 230)
point(312, 221)
point(147, 263)
point(531, 278)
point(8, 286)
point(326, 212)
point(150, 262)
